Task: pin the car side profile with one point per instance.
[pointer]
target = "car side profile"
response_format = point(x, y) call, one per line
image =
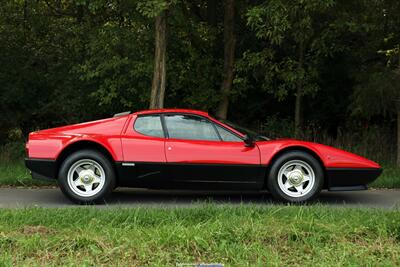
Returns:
point(187, 149)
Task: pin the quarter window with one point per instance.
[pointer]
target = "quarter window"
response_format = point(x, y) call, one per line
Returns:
point(190, 128)
point(227, 135)
point(149, 125)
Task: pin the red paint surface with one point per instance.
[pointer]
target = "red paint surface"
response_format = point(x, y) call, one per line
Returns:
point(124, 144)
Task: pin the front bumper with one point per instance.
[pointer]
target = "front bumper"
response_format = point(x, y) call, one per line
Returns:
point(42, 169)
point(344, 179)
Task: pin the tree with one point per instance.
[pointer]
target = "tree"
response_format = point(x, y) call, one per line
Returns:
point(67, 61)
point(157, 10)
point(296, 29)
point(229, 58)
point(377, 89)
point(393, 56)
point(159, 75)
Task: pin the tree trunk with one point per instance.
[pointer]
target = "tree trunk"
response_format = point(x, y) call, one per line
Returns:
point(229, 58)
point(298, 110)
point(398, 121)
point(398, 134)
point(159, 75)
point(298, 113)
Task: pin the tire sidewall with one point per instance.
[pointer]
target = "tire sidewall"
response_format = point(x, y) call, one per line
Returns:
point(272, 181)
point(109, 183)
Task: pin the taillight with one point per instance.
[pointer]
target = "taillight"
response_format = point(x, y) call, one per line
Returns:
point(27, 149)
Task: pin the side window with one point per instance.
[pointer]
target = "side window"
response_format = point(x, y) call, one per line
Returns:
point(149, 125)
point(227, 135)
point(190, 128)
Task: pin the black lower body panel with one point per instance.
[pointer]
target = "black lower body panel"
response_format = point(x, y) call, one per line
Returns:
point(217, 176)
point(42, 169)
point(141, 174)
point(345, 179)
point(191, 176)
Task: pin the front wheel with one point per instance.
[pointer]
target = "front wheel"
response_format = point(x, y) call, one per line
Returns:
point(295, 177)
point(86, 177)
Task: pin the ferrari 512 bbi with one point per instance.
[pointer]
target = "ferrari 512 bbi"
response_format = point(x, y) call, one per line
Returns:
point(188, 149)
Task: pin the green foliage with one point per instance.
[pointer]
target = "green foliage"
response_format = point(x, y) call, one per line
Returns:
point(194, 74)
point(118, 66)
point(376, 93)
point(67, 61)
point(295, 32)
point(152, 8)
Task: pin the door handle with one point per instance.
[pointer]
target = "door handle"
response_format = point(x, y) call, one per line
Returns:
point(169, 148)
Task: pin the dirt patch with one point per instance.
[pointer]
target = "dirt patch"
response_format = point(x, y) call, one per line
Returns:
point(37, 229)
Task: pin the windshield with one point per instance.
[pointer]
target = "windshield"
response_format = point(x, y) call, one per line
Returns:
point(255, 135)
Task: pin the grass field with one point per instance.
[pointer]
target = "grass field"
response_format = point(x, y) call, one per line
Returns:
point(390, 178)
point(234, 236)
point(15, 174)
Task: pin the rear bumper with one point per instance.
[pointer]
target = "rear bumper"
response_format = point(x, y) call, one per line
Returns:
point(344, 179)
point(43, 169)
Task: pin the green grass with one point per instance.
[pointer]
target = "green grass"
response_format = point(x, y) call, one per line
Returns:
point(390, 178)
point(14, 173)
point(234, 236)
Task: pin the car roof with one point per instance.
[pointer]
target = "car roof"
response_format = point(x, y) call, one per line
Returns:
point(172, 110)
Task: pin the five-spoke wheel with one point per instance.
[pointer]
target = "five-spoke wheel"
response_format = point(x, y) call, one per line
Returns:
point(86, 176)
point(295, 176)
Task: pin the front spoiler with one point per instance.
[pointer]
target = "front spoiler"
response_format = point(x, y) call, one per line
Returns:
point(348, 179)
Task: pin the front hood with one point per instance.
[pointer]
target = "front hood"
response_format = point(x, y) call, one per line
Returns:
point(331, 157)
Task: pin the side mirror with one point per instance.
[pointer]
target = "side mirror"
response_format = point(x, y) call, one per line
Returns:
point(248, 141)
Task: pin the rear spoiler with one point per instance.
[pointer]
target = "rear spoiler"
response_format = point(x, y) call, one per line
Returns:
point(122, 114)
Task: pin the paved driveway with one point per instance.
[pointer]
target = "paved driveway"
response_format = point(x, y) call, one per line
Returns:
point(52, 197)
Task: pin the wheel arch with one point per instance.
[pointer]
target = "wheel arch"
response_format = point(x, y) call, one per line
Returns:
point(302, 149)
point(84, 144)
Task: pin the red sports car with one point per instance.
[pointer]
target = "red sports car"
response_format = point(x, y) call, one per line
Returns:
point(188, 149)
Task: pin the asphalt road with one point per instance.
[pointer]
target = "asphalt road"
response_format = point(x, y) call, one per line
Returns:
point(52, 197)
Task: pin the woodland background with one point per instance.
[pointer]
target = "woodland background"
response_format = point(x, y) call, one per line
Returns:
point(326, 71)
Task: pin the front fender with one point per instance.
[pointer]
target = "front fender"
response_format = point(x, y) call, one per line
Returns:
point(330, 157)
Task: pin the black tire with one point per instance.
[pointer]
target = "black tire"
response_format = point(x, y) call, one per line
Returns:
point(272, 179)
point(103, 161)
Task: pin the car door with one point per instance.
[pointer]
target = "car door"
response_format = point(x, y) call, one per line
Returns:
point(197, 154)
point(143, 147)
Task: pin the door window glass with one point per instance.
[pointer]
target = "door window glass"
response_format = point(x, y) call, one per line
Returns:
point(190, 128)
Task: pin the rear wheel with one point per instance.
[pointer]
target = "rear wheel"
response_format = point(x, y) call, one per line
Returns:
point(295, 176)
point(86, 177)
